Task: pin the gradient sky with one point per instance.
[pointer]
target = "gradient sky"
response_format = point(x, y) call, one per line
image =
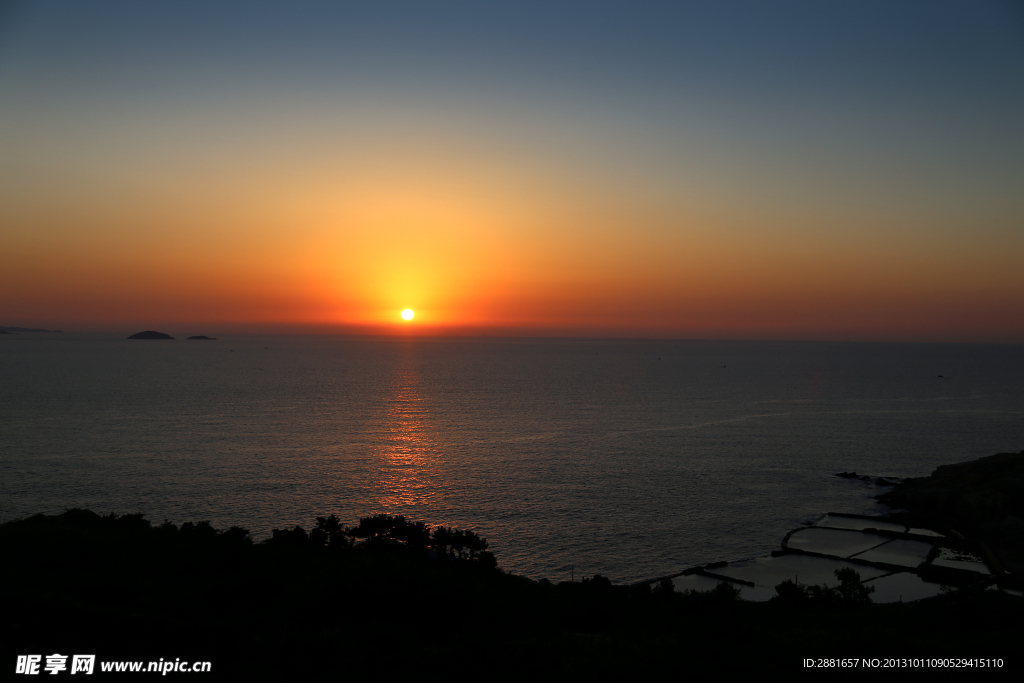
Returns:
point(784, 170)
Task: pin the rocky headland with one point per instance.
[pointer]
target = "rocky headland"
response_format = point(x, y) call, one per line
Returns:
point(982, 499)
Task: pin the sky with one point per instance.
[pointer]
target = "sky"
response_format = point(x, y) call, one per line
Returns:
point(715, 170)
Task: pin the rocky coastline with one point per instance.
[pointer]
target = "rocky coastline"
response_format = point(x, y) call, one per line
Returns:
point(982, 500)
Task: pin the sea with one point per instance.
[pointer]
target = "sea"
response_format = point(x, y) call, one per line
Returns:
point(629, 459)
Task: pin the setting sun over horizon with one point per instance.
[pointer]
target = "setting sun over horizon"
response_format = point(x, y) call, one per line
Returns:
point(734, 170)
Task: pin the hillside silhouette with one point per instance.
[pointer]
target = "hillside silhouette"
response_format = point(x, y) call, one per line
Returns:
point(392, 597)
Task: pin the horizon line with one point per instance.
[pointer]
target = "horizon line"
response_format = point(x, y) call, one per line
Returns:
point(470, 334)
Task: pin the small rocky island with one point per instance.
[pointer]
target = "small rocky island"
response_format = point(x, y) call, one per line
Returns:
point(150, 334)
point(203, 336)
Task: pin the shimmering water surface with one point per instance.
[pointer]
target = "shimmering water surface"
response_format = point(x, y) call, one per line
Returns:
point(629, 459)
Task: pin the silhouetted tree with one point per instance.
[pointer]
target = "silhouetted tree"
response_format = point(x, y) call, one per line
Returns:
point(725, 592)
point(382, 531)
point(237, 534)
point(598, 583)
point(850, 590)
point(289, 537)
point(664, 590)
point(199, 530)
point(790, 592)
point(441, 541)
point(330, 532)
point(474, 544)
point(387, 531)
point(136, 522)
point(487, 559)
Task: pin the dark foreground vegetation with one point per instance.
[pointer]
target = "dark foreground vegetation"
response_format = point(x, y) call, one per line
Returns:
point(391, 599)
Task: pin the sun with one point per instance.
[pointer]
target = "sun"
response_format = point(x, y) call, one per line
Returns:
point(408, 314)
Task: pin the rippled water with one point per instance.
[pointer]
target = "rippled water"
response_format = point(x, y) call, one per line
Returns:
point(630, 459)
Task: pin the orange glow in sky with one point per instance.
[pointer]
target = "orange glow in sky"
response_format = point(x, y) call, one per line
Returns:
point(576, 189)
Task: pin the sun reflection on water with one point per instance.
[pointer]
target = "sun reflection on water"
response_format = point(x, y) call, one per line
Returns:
point(408, 473)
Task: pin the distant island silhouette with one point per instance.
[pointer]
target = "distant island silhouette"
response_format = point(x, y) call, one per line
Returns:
point(16, 330)
point(203, 336)
point(150, 334)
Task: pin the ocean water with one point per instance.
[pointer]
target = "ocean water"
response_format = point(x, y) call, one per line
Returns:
point(625, 458)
